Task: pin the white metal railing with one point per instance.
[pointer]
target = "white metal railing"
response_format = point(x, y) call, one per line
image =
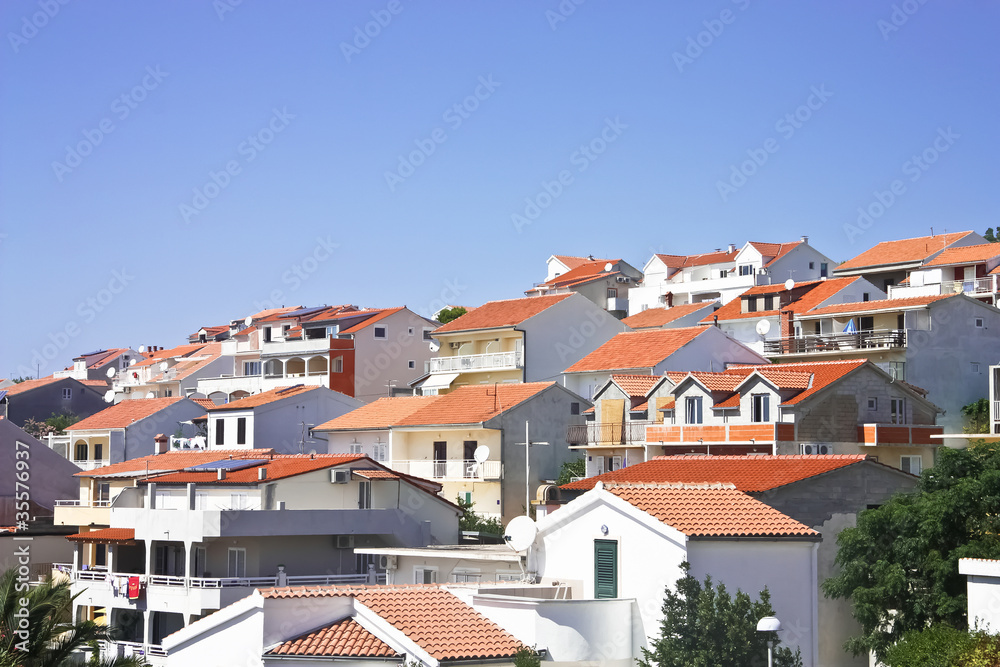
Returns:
point(286, 347)
point(450, 469)
point(197, 442)
point(974, 286)
point(91, 464)
point(102, 574)
point(477, 362)
point(83, 503)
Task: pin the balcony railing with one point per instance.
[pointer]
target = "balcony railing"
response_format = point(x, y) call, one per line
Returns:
point(607, 433)
point(91, 464)
point(83, 503)
point(741, 433)
point(881, 338)
point(457, 470)
point(874, 435)
point(102, 574)
point(974, 286)
point(492, 361)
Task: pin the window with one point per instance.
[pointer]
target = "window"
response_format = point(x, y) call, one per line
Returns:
point(237, 562)
point(67, 393)
point(251, 368)
point(612, 293)
point(865, 296)
point(746, 269)
point(355, 448)
point(364, 495)
point(615, 464)
point(103, 492)
point(81, 451)
point(723, 273)
point(897, 411)
point(912, 464)
point(238, 500)
point(979, 322)
point(269, 492)
point(409, 331)
point(200, 558)
point(752, 305)
point(974, 367)
point(379, 451)
point(425, 575)
point(220, 431)
point(822, 270)
point(381, 333)
point(427, 334)
point(411, 364)
point(872, 403)
point(201, 500)
point(605, 569)
point(285, 328)
point(267, 334)
point(759, 407)
point(897, 369)
point(768, 303)
point(98, 451)
point(574, 408)
point(167, 393)
point(241, 430)
point(338, 365)
point(692, 410)
point(812, 265)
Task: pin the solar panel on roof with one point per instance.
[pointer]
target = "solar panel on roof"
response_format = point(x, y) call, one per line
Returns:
point(90, 354)
point(226, 464)
point(3, 392)
point(287, 389)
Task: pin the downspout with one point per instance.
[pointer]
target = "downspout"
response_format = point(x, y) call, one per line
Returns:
point(814, 566)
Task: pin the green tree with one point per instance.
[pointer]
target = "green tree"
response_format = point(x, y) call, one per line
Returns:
point(22, 378)
point(703, 626)
point(62, 421)
point(937, 646)
point(474, 522)
point(571, 469)
point(989, 235)
point(526, 657)
point(35, 626)
point(899, 564)
point(448, 314)
point(978, 414)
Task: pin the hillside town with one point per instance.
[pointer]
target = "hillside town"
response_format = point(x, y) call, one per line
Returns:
point(316, 484)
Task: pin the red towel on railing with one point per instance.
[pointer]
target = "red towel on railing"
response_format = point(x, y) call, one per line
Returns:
point(133, 588)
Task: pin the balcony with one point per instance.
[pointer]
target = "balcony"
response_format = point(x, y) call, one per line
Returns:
point(233, 346)
point(899, 435)
point(91, 464)
point(283, 348)
point(617, 303)
point(493, 361)
point(81, 512)
point(741, 433)
point(862, 340)
point(230, 384)
point(607, 434)
point(460, 470)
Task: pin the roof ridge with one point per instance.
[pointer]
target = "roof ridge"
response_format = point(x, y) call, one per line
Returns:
point(668, 485)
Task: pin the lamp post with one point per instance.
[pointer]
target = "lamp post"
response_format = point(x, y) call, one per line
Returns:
point(769, 624)
point(527, 483)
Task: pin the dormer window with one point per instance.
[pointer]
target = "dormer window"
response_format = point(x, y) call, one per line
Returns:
point(760, 408)
point(746, 269)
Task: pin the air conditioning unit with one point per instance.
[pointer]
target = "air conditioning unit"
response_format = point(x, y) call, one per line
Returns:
point(386, 562)
point(127, 390)
point(345, 541)
point(455, 345)
point(815, 449)
point(623, 279)
point(340, 476)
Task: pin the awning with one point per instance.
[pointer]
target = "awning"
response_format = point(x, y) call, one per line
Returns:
point(439, 381)
point(105, 536)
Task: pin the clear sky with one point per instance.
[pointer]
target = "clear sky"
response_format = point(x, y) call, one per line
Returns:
point(168, 165)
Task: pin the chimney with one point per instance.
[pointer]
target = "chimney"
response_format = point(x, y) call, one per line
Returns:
point(732, 247)
point(261, 473)
point(220, 474)
point(785, 318)
point(162, 443)
point(805, 239)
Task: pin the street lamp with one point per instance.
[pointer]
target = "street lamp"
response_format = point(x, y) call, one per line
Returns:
point(769, 624)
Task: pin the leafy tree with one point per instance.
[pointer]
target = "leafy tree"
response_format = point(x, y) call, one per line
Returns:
point(36, 428)
point(571, 469)
point(62, 421)
point(22, 378)
point(989, 235)
point(474, 522)
point(899, 564)
point(448, 314)
point(978, 414)
point(44, 636)
point(526, 657)
point(937, 646)
point(703, 626)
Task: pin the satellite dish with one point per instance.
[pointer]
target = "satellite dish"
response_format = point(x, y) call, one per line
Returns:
point(763, 326)
point(609, 266)
point(789, 284)
point(164, 366)
point(142, 348)
point(248, 320)
point(520, 533)
point(132, 362)
point(435, 346)
point(109, 396)
point(151, 394)
point(111, 372)
point(481, 454)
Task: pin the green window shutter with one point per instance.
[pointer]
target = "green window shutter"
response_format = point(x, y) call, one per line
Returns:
point(605, 569)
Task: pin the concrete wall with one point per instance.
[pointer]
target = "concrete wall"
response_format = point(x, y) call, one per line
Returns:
point(42, 402)
point(381, 362)
point(45, 476)
point(138, 438)
point(448, 568)
point(231, 638)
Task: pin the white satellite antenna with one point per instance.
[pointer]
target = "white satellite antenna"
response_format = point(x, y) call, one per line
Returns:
point(481, 454)
point(111, 372)
point(164, 366)
point(763, 326)
point(132, 362)
point(142, 349)
point(789, 284)
point(520, 533)
point(435, 346)
point(109, 396)
point(248, 320)
point(609, 266)
point(151, 394)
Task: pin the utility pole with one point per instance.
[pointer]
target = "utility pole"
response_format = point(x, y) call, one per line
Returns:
point(527, 467)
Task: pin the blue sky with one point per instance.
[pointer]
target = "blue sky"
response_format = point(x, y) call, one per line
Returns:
point(171, 165)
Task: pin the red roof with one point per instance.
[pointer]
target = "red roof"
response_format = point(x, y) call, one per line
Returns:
point(752, 474)
point(434, 618)
point(902, 251)
point(377, 317)
point(346, 638)
point(637, 349)
point(383, 413)
point(496, 314)
point(686, 261)
point(774, 250)
point(580, 274)
point(29, 385)
point(172, 461)
point(278, 467)
point(635, 385)
point(174, 352)
point(265, 397)
point(474, 403)
point(970, 254)
point(105, 536)
point(659, 317)
point(571, 262)
point(881, 304)
point(125, 413)
point(817, 292)
point(710, 510)
point(824, 373)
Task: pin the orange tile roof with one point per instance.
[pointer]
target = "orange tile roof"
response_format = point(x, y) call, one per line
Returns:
point(377, 474)
point(105, 536)
point(881, 304)
point(496, 314)
point(383, 413)
point(685, 261)
point(432, 617)
point(970, 254)
point(29, 385)
point(582, 273)
point(818, 292)
point(710, 510)
point(658, 317)
point(824, 373)
point(188, 366)
point(245, 332)
point(278, 467)
point(174, 352)
point(173, 461)
point(635, 385)
point(265, 397)
point(125, 413)
point(474, 403)
point(716, 381)
point(774, 250)
point(105, 357)
point(752, 474)
point(572, 262)
point(271, 312)
point(637, 349)
point(377, 317)
point(902, 251)
point(96, 384)
point(345, 638)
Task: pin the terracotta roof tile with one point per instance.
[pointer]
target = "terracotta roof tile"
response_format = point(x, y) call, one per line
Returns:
point(125, 413)
point(659, 317)
point(383, 413)
point(752, 474)
point(105, 536)
point(636, 386)
point(637, 349)
point(95, 361)
point(686, 261)
point(580, 274)
point(710, 510)
point(970, 254)
point(818, 292)
point(277, 467)
point(902, 251)
point(824, 373)
point(96, 384)
point(345, 638)
point(774, 250)
point(881, 304)
point(173, 461)
point(474, 403)
point(495, 314)
point(174, 352)
point(376, 317)
point(29, 385)
point(265, 397)
point(572, 262)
